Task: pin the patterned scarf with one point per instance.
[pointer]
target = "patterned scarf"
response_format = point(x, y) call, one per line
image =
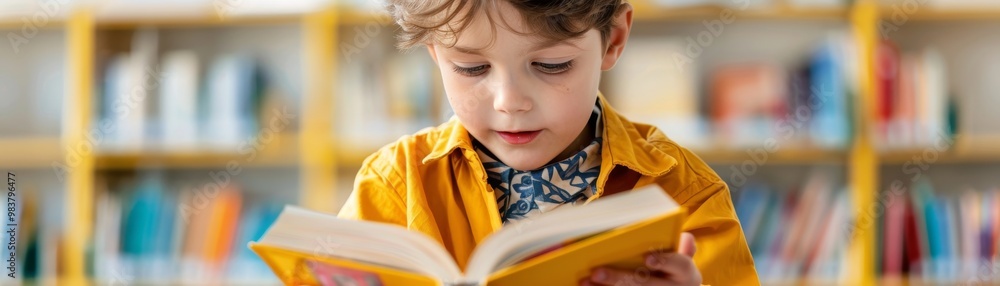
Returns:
point(521, 194)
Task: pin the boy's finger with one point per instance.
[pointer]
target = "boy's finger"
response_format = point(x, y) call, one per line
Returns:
point(609, 276)
point(677, 266)
point(687, 246)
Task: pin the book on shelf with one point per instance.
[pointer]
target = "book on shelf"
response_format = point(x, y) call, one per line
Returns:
point(747, 100)
point(144, 232)
point(652, 86)
point(830, 74)
point(180, 100)
point(22, 234)
point(37, 238)
point(807, 105)
point(559, 247)
point(798, 233)
point(939, 238)
point(392, 93)
point(128, 85)
point(914, 107)
point(234, 92)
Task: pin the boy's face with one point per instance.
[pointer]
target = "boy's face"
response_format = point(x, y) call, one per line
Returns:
point(528, 103)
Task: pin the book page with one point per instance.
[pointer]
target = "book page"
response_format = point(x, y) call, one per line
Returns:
point(521, 239)
point(388, 245)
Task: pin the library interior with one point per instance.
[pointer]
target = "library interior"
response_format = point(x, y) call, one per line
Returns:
point(147, 142)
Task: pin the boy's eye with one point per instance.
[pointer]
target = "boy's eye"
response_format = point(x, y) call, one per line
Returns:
point(472, 71)
point(553, 68)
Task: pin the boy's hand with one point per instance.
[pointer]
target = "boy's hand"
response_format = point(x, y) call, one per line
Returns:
point(665, 269)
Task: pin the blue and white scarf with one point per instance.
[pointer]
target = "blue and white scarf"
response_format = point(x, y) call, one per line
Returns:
point(521, 194)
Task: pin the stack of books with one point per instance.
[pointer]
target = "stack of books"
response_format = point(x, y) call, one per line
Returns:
point(797, 234)
point(179, 100)
point(915, 108)
point(939, 238)
point(147, 232)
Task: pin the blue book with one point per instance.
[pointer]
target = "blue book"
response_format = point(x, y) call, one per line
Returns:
point(830, 126)
point(934, 220)
point(751, 207)
point(144, 241)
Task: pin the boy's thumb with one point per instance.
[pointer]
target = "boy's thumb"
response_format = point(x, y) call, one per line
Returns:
point(687, 244)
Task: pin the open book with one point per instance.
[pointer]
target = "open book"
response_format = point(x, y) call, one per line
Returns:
point(556, 248)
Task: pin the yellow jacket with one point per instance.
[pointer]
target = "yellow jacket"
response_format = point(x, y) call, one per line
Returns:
point(433, 182)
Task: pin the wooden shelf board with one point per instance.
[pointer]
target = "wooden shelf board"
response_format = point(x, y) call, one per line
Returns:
point(349, 155)
point(17, 16)
point(205, 159)
point(207, 21)
point(930, 14)
point(355, 17)
point(787, 156)
point(15, 25)
point(282, 152)
point(932, 156)
point(30, 152)
point(176, 15)
point(967, 149)
point(645, 11)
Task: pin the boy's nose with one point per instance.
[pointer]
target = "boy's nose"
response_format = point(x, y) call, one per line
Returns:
point(509, 98)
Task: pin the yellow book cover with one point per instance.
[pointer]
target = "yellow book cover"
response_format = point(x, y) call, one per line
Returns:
point(557, 248)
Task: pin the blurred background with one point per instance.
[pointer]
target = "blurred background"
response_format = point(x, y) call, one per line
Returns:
point(148, 142)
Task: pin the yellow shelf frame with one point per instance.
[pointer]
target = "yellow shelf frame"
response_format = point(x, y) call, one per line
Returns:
point(863, 164)
point(319, 165)
point(80, 188)
point(311, 144)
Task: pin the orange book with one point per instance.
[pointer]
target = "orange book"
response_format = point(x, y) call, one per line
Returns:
point(222, 225)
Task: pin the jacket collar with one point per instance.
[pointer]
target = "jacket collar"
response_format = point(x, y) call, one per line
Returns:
point(628, 148)
point(623, 145)
point(451, 135)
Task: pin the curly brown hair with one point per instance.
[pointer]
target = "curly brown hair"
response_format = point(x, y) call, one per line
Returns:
point(425, 21)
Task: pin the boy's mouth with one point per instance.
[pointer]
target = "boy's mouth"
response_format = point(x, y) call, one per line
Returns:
point(520, 137)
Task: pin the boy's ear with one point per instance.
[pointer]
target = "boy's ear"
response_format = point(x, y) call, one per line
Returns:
point(617, 37)
point(430, 50)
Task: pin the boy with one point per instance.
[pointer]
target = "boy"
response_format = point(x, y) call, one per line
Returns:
point(532, 132)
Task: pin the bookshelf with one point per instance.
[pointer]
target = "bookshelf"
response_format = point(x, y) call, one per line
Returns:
point(322, 162)
point(83, 30)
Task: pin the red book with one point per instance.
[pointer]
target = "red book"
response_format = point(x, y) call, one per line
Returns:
point(887, 77)
point(912, 239)
point(893, 235)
